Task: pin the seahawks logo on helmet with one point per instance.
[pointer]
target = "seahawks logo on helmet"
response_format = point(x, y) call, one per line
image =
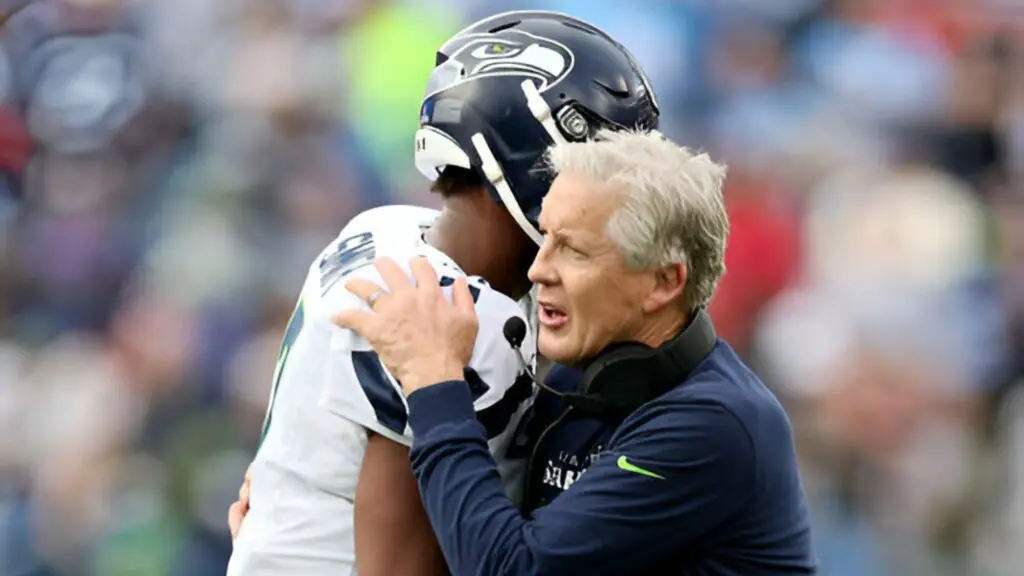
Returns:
point(512, 53)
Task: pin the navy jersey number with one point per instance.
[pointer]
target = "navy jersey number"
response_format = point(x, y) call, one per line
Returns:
point(352, 253)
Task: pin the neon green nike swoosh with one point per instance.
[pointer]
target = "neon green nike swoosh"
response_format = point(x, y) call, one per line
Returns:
point(625, 465)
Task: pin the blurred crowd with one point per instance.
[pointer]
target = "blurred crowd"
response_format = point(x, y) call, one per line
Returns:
point(170, 168)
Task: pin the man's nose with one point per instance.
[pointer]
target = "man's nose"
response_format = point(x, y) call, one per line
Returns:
point(541, 271)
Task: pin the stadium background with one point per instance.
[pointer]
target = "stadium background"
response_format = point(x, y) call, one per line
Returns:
point(191, 157)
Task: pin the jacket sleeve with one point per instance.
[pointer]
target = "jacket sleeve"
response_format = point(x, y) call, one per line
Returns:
point(675, 472)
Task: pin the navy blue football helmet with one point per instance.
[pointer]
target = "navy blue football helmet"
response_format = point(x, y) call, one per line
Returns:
point(508, 87)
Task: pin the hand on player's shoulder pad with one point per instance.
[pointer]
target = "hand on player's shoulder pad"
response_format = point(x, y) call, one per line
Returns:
point(419, 335)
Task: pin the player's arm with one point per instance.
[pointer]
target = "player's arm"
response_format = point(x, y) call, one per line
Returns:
point(392, 532)
point(393, 535)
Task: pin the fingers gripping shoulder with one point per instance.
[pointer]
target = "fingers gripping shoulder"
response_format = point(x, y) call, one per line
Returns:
point(360, 387)
point(337, 297)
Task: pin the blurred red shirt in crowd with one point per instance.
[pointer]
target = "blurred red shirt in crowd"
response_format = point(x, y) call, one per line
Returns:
point(957, 23)
point(15, 143)
point(762, 257)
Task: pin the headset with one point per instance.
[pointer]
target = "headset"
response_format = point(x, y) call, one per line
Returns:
point(625, 376)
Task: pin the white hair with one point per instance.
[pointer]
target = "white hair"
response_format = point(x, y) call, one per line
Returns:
point(672, 210)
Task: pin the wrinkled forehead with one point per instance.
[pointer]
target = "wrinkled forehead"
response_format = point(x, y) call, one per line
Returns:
point(577, 202)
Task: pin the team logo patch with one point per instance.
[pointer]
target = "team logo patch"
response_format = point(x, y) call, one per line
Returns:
point(511, 53)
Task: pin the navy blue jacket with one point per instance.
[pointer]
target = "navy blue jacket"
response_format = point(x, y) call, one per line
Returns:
point(702, 480)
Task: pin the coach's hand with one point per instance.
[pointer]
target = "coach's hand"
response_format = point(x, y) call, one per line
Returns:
point(420, 336)
point(238, 510)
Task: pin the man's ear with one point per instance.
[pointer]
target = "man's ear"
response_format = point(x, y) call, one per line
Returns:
point(669, 283)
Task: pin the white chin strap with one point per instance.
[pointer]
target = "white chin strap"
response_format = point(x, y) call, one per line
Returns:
point(492, 170)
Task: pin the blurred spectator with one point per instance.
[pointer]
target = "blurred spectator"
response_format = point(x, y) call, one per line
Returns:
point(15, 142)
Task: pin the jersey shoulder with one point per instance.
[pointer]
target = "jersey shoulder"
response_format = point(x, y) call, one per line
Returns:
point(392, 231)
point(395, 232)
point(386, 218)
point(494, 370)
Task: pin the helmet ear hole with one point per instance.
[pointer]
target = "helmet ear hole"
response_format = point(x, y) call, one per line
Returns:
point(573, 124)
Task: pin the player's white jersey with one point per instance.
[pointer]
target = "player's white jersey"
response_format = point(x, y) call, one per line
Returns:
point(330, 388)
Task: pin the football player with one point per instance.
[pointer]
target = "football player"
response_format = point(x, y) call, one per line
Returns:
point(331, 485)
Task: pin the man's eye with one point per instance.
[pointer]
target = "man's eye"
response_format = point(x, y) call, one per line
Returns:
point(572, 250)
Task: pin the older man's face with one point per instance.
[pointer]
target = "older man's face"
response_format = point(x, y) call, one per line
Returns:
point(587, 295)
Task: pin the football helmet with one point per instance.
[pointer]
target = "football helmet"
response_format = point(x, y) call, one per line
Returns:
point(508, 87)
